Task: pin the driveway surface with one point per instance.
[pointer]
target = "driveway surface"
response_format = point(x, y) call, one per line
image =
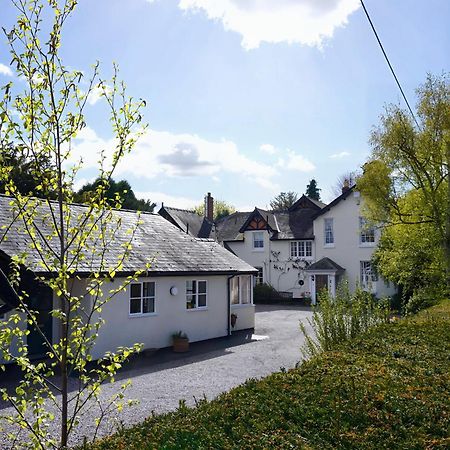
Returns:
point(161, 379)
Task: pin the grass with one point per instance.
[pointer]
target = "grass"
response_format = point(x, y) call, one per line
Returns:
point(387, 389)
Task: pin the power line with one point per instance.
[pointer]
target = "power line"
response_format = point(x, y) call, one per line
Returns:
point(389, 63)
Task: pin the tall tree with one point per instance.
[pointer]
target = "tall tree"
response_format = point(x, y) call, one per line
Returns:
point(312, 191)
point(116, 192)
point(42, 115)
point(221, 209)
point(283, 200)
point(413, 161)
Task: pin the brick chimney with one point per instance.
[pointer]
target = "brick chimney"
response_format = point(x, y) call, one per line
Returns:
point(346, 186)
point(209, 207)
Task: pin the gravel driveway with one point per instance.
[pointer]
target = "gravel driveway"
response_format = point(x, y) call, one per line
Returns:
point(161, 379)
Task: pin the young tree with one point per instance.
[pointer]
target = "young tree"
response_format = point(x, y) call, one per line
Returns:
point(114, 190)
point(312, 191)
point(48, 114)
point(410, 162)
point(283, 200)
point(221, 209)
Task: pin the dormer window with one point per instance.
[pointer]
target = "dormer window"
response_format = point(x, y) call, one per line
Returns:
point(258, 240)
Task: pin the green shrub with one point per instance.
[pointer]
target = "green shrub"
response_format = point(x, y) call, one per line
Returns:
point(421, 299)
point(339, 319)
point(264, 293)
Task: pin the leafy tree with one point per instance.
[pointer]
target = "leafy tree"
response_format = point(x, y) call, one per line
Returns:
point(405, 184)
point(283, 200)
point(48, 114)
point(221, 209)
point(312, 191)
point(21, 168)
point(116, 191)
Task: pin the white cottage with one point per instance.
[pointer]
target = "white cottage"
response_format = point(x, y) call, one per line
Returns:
point(193, 284)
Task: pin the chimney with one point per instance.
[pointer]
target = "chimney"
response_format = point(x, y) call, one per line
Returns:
point(209, 207)
point(346, 186)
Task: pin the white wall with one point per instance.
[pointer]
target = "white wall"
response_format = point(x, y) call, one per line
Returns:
point(283, 278)
point(347, 250)
point(171, 315)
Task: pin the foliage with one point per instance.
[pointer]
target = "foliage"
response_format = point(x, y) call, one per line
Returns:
point(21, 167)
point(312, 191)
point(41, 116)
point(388, 388)
point(341, 318)
point(406, 181)
point(221, 209)
point(421, 299)
point(264, 293)
point(411, 255)
point(115, 192)
point(283, 200)
point(179, 335)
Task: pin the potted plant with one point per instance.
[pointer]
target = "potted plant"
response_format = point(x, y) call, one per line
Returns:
point(180, 342)
point(233, 319)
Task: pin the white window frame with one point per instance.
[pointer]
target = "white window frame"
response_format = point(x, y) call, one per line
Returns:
point(195, 294)
point(366, 233)
point(142, 299)
point(300, 249)
point(237, 287)
point(258, 248)
point(259, 277)
point(366, 274)
point(328, 232)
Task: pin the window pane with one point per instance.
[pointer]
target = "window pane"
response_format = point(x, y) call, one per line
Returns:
point(191, 286)
point(190, 301)
point(293, 249)
point(201, 300)
point(308, 248)
point(301, 249)
point(258, 240)
point(235, 291)
point(148, 305)
point(135, 290)
point(149, 289)
point(202, 287)
point(329, 237)
point(245, 289)
point(135, 306)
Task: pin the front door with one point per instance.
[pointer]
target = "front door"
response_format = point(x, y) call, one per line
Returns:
point(41, 302)
point(321, 284)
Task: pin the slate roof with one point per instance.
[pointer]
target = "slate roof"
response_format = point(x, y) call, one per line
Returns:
point(341, 197)
point(172, 251)
point(325, 264)
point(188, 221)
point(228, 227)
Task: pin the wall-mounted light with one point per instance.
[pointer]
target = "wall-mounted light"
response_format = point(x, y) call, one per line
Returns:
point(173, 290)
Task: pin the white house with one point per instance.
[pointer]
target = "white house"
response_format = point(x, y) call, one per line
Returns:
point(344, 244)
point(193, 285)
point(301, 250)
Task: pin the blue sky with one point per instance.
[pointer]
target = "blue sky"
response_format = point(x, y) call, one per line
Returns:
point(248, 98)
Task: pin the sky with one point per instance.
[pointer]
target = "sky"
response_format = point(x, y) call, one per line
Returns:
point(246, 98)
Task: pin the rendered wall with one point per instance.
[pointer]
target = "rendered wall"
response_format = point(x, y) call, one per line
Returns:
point(347, 250)
point(278, 268)
point(171, 315)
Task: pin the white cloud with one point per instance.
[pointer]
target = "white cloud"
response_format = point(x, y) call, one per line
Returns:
point(339, 155)
point(268, 148)
point(5, 70)
point(297, 162)
point(96, 93)
point(161, 153)
point(307, 22)
point(168, 200)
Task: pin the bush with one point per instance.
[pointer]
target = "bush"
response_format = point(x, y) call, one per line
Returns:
point(421, 299)
point(339, 319)
point(264, 293)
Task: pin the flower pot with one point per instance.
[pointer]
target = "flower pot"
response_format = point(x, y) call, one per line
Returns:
point(180, 345)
